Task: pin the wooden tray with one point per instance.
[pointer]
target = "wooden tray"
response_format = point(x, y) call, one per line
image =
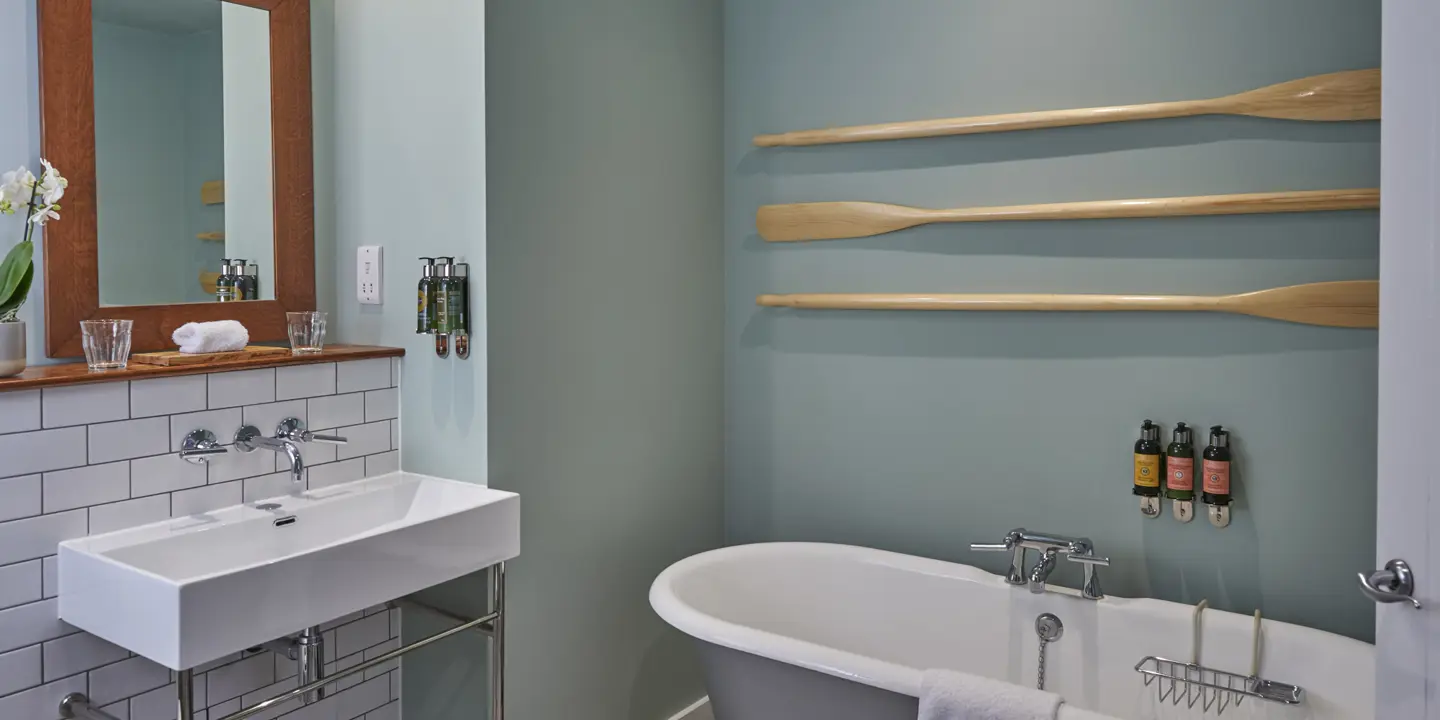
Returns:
point(175, 357)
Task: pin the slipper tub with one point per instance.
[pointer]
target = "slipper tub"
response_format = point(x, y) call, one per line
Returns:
point(804, 631)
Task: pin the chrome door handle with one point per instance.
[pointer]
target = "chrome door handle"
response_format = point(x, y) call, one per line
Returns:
point(1396, 583)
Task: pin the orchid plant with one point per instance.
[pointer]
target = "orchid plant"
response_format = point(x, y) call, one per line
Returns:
point(39, 198)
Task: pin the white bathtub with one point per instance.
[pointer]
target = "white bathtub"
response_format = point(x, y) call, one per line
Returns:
point(800, 631)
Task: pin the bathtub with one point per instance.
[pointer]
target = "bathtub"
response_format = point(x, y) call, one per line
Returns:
point(802, 631)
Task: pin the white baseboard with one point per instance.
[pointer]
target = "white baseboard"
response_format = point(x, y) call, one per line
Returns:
point(698, 710)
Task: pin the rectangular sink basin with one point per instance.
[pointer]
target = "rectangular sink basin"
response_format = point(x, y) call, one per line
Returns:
point(189, 590)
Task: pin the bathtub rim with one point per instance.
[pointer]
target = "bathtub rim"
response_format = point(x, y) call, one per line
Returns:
point(859, 668)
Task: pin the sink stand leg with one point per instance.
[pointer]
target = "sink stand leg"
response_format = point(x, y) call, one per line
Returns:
point(497, 642)
point(185, 693)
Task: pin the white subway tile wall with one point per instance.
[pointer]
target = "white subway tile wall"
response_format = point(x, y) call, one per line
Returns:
point(88, 459)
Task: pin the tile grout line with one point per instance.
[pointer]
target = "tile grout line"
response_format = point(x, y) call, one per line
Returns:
point(362, 465)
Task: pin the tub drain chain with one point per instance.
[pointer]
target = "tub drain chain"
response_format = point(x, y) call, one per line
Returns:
point(1049, 629)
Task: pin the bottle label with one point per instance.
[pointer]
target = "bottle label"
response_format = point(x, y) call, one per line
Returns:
point(1180, 473)
point(442, 312)
point(1217, 477)
point(421, 306)
point(458, 322)
point(1147, 470)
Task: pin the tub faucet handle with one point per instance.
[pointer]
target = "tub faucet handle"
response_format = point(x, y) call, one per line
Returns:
point(1091, 589)
point(1012, 539)
point(1011, 544)
point(1089, 560)
point(991, 547)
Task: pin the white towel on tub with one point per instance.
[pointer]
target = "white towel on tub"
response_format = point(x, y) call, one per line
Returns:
point(950, 695)
point(211, 337)
point(1070, 712)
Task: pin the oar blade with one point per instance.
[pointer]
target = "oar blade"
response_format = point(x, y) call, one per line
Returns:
point(1348, 303)
point(833, 220)
point(1349, 95)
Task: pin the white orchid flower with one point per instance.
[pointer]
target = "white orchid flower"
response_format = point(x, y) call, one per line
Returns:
point(15, 188)
point(44, 214)
point(52, 183)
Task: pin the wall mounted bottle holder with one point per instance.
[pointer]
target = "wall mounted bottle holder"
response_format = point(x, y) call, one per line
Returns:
point(443, 305)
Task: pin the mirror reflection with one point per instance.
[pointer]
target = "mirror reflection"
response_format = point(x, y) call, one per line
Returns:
point(183, 160)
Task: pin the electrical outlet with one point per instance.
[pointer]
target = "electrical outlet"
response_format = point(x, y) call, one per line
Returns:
point(369, 267)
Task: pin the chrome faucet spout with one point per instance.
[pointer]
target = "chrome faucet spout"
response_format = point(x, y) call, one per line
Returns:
point(249, 439)
point(1041, 572)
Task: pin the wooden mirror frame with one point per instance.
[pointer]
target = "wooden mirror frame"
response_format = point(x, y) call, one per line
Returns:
point(67, 129)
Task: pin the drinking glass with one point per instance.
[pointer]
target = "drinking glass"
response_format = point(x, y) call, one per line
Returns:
point(106, 343)
point(307, 332)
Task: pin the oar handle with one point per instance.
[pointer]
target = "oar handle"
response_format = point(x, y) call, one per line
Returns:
point(1235, 204)
point(1002, 302)
point(986, 124)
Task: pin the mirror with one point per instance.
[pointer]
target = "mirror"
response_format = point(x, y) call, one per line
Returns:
point(184, 172)
point(173, 120)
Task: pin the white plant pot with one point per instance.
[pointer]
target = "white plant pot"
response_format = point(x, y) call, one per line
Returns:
point(12, 348)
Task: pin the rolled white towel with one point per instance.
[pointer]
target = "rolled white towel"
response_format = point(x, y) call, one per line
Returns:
point(950, 695)
point(211, 337)
point(1070, 712)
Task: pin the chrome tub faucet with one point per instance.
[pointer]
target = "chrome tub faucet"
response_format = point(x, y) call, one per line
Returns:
point(1050, 547)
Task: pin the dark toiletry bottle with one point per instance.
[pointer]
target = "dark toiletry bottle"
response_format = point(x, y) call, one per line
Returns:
point(242, 283)
point(460, 298)
point(225, 284)
point(462, 310)
point(252, 274)
point(425, 298)
point(1180, 473)
point(1148, 469)
point(444, 313)
point(1216, 481)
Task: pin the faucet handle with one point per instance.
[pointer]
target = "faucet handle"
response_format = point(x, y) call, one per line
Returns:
point(199, 446)
point(293, 429)
point(1089, 560)
point(991, 547)
point(1012, 541)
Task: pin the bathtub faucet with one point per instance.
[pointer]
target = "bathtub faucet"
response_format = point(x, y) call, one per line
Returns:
point(1076, 550)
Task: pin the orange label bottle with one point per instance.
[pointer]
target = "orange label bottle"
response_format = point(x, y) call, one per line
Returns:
point(1216, 482)
point(1217, 477)
point(1180, 465)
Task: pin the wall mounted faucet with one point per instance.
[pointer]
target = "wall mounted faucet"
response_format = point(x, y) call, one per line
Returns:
point(1076, 550)
point(289, 434)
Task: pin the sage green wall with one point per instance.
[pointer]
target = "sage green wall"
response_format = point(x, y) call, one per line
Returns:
point(598, 133)
point(605, 312)
point(922, 433)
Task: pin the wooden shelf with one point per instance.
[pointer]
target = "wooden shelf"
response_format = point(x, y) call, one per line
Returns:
point(211, 236)
point(79, 374)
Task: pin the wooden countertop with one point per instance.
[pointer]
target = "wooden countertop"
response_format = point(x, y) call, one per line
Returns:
point(79, 374)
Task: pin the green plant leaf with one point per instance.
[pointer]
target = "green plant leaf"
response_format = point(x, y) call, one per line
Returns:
point(11, 306)
point(14, 270)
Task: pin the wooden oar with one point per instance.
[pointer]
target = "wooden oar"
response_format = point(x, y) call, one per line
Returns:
point(836, 220)
point(1349, 303)
point(1350, 95)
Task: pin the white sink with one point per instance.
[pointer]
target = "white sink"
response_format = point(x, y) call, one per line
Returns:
point(189, 590)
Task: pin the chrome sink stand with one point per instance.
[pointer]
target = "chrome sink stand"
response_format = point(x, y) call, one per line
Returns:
point(76, 705)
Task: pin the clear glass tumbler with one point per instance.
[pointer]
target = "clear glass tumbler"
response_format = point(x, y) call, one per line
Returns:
point(106, 343)
point(307, 332)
